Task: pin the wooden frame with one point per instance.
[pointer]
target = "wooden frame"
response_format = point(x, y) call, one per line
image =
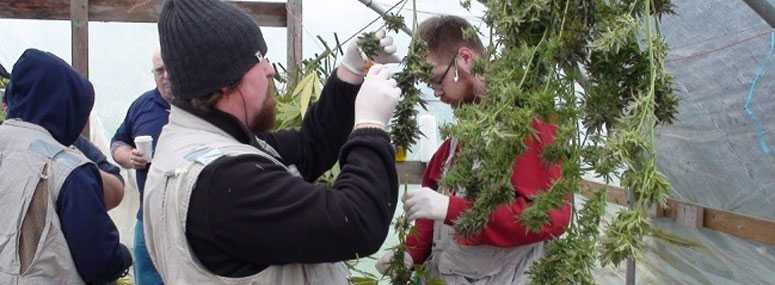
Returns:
point(81, 12)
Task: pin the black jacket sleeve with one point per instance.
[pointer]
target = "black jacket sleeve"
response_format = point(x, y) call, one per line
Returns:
point(325, 128)
point(95, 155)
point(247, 213)
point(90, 233)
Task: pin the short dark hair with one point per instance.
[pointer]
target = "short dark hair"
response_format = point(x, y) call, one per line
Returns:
point(204, 104)
point(444, 35)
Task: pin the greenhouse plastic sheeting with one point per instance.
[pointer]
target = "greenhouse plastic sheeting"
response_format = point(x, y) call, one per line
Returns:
point(721, 151)
point(717, 259)
point(719, 154)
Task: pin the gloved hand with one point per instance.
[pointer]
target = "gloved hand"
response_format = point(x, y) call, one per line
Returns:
point(377, 98)
point(355, 60)
point(425, 203)
point(384, 262)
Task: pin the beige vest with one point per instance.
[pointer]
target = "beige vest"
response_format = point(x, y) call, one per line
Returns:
point(33, 167)
point(477, 265)
point(186, 146)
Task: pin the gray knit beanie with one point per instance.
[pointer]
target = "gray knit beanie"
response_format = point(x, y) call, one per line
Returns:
point(206, 45)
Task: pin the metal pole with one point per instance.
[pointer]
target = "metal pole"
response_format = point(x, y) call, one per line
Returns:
point(381, 12)
point(630, 261)
point(630, 271)
point(765, 10)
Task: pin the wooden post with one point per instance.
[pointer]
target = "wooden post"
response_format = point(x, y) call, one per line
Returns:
point(689, 215)
point(294, 35)
point(79, 34)
point(79, 22)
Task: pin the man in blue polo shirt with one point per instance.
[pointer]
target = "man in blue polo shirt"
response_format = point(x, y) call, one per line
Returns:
point(145, 117)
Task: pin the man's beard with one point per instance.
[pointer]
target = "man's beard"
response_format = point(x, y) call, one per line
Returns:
point(468, 90)
point(265, 119)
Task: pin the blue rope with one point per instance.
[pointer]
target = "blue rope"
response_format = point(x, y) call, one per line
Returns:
point(761, 70)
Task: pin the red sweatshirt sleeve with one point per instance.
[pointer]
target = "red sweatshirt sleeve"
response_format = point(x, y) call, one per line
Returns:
point(530, 176)
point(420, 239)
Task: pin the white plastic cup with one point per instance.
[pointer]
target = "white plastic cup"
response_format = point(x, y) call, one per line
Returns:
point(144, 144)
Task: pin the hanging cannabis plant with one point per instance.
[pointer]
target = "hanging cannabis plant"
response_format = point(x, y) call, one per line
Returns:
point(532, 68)
point(404, 130)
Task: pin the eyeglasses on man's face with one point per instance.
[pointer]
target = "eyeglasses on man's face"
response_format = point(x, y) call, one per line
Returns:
point(437, 82)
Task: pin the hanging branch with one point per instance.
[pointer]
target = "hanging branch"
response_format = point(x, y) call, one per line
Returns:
point(404, 129)
point(398, 273)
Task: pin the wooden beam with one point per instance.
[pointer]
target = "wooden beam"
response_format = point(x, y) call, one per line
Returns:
point(615, 195)
point(294, 34)
point(79, 41)
point(739, 225)
point(270, 14)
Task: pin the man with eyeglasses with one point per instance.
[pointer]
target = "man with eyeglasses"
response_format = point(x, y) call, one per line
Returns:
point(145, 117)
point(505, 249)
point(229, 200)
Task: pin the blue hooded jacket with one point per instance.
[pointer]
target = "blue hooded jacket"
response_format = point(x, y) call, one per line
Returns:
point(46, 91)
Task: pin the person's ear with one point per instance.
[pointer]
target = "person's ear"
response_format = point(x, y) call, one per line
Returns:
point(465, 59)
point(466, 56)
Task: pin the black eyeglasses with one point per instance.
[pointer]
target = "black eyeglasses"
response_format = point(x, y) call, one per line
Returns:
point(439, 81)
point(159, 70)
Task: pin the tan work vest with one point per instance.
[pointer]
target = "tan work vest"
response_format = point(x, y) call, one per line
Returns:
point(186, 146)
point(33, 168)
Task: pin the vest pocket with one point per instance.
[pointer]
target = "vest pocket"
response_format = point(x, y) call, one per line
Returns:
point(22, 226)
point(34, 225)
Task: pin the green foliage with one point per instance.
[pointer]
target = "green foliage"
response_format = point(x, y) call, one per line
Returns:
point(397, 271)
point(3, 83)
point(466, 4)
point(126, 280)
point(404, 130)
point(570, 260)
point(538, 50)
point(360, 280)
point(369, 44)
point(394, 22)
point(296, 97)
point(624, 237)
point(292, 107)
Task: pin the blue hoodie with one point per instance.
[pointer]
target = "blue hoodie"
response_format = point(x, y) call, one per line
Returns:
point(46, 91)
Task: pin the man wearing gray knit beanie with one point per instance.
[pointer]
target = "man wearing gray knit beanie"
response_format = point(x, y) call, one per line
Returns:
point(227, 200)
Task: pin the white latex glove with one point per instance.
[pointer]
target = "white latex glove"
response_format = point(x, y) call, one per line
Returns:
point(377, 98)
point(425, 203)
point(384, 262)
point(356, 61)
